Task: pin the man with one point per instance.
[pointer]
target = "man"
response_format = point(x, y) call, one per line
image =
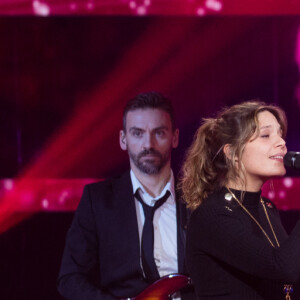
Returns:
point(106, 254)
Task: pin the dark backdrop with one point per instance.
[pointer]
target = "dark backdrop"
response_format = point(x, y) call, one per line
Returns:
point(64, 81)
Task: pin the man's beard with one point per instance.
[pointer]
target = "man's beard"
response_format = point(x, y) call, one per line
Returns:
point(150, 166)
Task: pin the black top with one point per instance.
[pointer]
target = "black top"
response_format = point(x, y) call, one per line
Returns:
point(229, 257)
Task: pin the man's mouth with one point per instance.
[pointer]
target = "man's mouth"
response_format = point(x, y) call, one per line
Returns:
point(150, 156)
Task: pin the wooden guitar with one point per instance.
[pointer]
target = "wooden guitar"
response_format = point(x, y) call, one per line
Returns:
point(163, 288)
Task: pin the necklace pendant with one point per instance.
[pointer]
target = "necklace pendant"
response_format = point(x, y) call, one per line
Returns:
point(288, 288)
point(269, 204)
point(228, 208)
point(228, 196)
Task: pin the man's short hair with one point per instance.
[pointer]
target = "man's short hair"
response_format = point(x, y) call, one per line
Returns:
point(152, 100)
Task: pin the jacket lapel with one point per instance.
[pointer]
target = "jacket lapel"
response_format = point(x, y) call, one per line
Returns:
point(181, 232)
point(123, 197)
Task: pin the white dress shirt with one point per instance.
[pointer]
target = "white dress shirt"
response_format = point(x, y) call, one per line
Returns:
point(164, 223)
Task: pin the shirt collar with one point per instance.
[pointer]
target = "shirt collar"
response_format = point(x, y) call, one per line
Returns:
point(170, 185)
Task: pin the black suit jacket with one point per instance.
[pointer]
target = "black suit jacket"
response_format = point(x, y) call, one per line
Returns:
point(101, 259)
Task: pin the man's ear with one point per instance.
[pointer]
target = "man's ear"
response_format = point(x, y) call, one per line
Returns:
point(122, 140)
point(175, 140)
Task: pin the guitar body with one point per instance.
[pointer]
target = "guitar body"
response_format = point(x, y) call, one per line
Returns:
point(164, 287)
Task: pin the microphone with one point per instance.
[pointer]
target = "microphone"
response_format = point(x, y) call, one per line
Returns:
point(292, 160)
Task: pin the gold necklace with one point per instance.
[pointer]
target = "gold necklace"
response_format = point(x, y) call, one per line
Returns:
point(253, 218)
point(288, 288)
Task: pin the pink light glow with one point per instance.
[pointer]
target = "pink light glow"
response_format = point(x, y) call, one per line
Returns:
point(90, 5)
point(270, 195)
point(154, 7)
point(200, 11)
point(40, 8)
point(73, 6)
point(45, 204)
point(64, 194)
point(132, 4)
point(285, 197)
point(141, 10)
point(8, 184)
point(56, 194)
point(297, 58)
point(214, 5)
point(288, 182)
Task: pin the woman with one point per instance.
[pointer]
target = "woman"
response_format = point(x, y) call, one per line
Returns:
point(237, 247)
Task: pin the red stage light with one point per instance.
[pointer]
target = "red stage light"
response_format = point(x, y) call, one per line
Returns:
point(148, 7)
point(33, 195)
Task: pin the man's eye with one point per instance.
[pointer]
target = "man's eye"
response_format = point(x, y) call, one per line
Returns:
point(160, 133)
point(137, 133)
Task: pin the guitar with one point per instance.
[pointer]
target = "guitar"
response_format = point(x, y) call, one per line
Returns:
point(163, 288)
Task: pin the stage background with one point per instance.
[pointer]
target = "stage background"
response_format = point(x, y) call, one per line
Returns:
point(64, 82)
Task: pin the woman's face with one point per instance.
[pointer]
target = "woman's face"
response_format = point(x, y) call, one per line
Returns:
point(263, 154)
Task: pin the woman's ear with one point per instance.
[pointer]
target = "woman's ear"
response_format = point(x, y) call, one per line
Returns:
point(227, 151)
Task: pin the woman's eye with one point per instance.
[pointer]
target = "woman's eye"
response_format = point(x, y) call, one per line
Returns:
point(265, 135)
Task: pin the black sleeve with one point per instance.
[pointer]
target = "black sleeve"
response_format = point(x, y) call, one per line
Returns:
point(223, 236)
point(80, 257)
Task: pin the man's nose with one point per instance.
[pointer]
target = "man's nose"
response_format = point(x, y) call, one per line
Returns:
point(148, 141)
